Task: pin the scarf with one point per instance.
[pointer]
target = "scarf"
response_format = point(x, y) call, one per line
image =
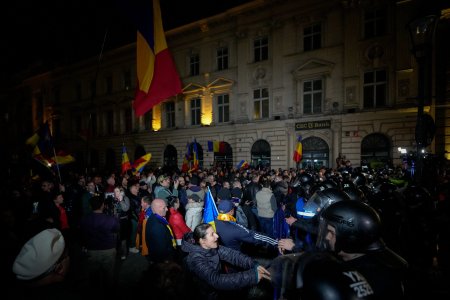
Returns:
point(164, 221)
point(226, 217)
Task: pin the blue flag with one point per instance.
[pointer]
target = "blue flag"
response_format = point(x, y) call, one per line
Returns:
point(210, 211)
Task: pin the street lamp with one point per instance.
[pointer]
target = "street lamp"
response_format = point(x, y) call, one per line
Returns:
point(421, 31)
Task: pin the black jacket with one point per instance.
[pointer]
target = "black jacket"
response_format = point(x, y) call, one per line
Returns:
point(205, 266)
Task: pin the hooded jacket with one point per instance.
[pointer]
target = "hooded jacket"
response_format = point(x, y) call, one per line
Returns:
point(205, 266)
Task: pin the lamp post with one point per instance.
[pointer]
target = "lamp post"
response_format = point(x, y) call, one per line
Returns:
point(421, 32)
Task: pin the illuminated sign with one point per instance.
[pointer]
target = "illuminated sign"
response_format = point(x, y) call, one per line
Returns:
point(313, 125)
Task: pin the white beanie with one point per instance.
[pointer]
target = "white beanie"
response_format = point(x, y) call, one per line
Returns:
point(39, 254)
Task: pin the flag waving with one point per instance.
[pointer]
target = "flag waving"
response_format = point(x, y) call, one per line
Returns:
point(125, 160)
point(195, 162)
point(139, 164)
point(298, 152)
point(243, 164)
point(157, 76)
point(210, 211)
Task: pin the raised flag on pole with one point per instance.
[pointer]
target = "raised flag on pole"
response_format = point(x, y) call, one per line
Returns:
point(243, 164)
point(298, 152)
point(126, 165)
point(195, 163)
point(139, 164)
point(210, 211)
point(157, 77)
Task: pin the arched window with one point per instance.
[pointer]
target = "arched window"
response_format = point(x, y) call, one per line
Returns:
point(224, 157)
point(170, 157)
point(261, 154)
point(316, 153)
point(375, 151)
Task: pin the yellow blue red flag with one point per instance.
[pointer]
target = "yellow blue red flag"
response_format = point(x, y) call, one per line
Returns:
point(210, 211)
point(298, 152)
point(157, 76)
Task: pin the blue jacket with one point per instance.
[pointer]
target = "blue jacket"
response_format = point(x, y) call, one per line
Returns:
point(232, 235)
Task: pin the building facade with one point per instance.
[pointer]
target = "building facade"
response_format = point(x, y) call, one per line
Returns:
point(340, 74)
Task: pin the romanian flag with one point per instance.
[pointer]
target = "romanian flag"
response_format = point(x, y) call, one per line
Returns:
point(216, 146)
point(243, 164)
point(43, 149)
point(125, 161)
point(157, 76)
point(195, 163)
point(63, 158)
point(140, 163)
point(298, 152)
point(210, 211)
point(186, 159)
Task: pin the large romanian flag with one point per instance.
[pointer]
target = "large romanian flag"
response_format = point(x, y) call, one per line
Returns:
point(298, 152)
point(157, 76)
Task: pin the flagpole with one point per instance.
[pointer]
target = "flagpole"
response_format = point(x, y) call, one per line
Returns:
point(57, 165)
point(100, 57)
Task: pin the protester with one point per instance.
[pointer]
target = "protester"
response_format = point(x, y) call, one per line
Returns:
point(204, 263)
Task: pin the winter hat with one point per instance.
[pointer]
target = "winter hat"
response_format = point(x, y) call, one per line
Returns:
point(225, 206)
point(39, 254)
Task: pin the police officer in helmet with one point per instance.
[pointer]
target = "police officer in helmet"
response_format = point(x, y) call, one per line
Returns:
point(352, 230)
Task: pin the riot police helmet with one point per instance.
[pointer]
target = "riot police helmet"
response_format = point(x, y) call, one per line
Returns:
point(357, 227)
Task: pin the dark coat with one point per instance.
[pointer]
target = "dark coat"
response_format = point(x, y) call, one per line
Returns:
point(159, 240)
point(205, 266)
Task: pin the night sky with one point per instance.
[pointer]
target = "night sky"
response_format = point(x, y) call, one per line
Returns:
point(48, 33)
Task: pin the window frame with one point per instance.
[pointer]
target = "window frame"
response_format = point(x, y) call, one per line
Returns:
point(260, 100)
point(312, 93)
point(195, 108)
point(374, 86)
point(261, 48)
point(222, 115)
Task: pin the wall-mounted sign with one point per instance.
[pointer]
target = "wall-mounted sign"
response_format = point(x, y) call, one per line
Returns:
point(313, 125)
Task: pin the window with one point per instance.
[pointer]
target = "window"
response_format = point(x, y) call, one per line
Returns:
point(194, 65)
point(195, 111)
point(312, 37)
point(128, 120)
point(375, 89)
point(223, 107)
point(261, 103)
point(127, 80)
point(261, 154)
point(148, 118)
point(375, 151)
point(312, 96)
point(110, 122)
point(315, 153)
point(170, 114)
point(108, 84)
point(261, 49)
point(222, 58)
point(375, 22)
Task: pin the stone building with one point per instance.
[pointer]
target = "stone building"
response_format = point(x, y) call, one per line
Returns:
point(340, 74)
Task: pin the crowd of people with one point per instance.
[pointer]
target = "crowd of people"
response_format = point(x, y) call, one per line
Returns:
point(342, 232)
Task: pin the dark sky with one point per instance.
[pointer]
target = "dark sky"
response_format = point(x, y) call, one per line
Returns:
point(51, 32)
